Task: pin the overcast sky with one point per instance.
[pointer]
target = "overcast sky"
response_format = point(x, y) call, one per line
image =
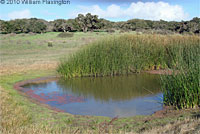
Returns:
point(115, 10)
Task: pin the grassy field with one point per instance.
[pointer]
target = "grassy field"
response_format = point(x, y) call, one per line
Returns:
point(29, 56)
point(25, 51)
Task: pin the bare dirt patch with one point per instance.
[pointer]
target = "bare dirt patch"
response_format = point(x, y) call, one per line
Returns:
point(168, 72)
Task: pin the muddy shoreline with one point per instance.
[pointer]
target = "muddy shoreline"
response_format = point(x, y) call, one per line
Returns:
point(19, 87)
point(161, 72)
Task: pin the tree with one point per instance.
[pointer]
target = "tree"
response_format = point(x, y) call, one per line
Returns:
point(4, 27)
point(36, 26)
point(194, 25)
point(19, 26)
point(88, 22)
point(59, 25)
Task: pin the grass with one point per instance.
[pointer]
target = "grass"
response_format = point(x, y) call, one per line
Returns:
point(24, 51)
point(182, 88)
point(21, 61)
point(34, 48)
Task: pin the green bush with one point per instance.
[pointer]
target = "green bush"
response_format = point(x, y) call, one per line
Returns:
point(66, 35)
point(50, 44)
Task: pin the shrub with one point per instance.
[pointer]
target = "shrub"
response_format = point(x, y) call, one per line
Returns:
point(50, 44)
point(110, 30)
point(65, 35)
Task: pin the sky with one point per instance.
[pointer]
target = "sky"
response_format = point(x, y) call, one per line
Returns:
point(114, 10)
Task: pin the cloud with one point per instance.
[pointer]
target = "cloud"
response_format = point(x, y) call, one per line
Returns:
point(19, 14)
point(140, 10)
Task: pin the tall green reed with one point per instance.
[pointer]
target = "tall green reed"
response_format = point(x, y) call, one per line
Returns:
point(125, 54)
point(182, 88)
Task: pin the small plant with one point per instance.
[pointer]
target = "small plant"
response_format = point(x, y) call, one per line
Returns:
point(50, 44)
point(66, 35)
point(122, 31)
point(110, 30)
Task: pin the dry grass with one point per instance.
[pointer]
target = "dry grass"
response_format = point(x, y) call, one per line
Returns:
point(10, 69)
point(12, 117)
point(187, 126)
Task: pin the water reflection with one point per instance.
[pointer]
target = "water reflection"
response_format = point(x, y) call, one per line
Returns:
point(112, 88)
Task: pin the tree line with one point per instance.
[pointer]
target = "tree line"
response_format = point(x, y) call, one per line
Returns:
point(91, 22)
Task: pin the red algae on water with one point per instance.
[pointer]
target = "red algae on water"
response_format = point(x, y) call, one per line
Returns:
point(53, 97)
point(45, 98)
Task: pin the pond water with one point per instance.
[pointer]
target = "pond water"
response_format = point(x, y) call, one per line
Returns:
point(121, 96)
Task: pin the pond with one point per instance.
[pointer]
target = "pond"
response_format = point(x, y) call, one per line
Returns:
point(121, 96)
